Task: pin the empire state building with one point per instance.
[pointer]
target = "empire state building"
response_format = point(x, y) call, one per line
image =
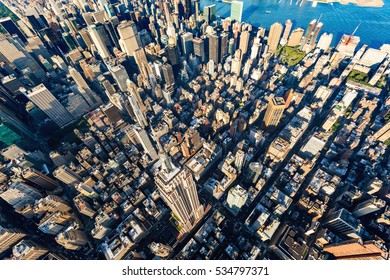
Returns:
point(178, 190)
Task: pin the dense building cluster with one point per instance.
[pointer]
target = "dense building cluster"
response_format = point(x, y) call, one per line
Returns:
point(149, 129)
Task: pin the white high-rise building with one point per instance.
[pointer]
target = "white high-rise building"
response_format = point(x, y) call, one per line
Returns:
point(286, 33)
point(239, 161)
point(83, 88)
point(255, 50)
point(236, 62)
point(46, 101)
point(325, 41)
point(236, 10)
point(129, 39)
point(178, 189)
point(138, 135)
point(187, 44)
point(120, 75)
point(236, 198)
point(18, 57)
point(275, 33)
point(56, 6)
point(137, 111)
point(66, 175)
point(98, 42)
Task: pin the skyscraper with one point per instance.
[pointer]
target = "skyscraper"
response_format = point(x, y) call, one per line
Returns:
point(120, 75)
point(253, 173)
point(325, 41)
point(39, 179)
point(173, 54)
point(142, 63)
point(308, 32)
point(286, 33)
point(236, 10)
point(274, 112)
point(83, 88)
point(8, 237)
point(274, 37)
point(255, 50)
point(224, 44)
point(28, 250)
point(168, 75)
point(199, 48)
point(72, 238)
point(98, 41)
point(86, 37)
point(46, 101)
point(295, 37)
point(367, 207)
point(209, 13)
point(342, 222)
point(196, 4)
point(19, 194)
point(129, 39)
point(214, 47)
point(187, 44)
point(236, 62)
point(12, 29)
point(311, 34)
point(17, 57)
point(244, 41)
point(313, 38)
point(66, 175)
point(236, 198)
point(239, 161)
point(134, 91)
point(139, 115)
point(231, 46)
point(178, 190)
point(138, 135)
point(167, 92)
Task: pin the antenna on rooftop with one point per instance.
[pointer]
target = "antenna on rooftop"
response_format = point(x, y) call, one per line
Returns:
point(353, 33)
point(319, 19)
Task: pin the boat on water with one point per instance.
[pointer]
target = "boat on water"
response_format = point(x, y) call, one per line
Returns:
point(314, 4)
point(268, 11)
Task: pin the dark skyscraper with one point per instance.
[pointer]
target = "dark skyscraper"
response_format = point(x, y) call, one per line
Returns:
point(168, 74)
point(12, 29)
point(209, 13)
point(224, 44)
point(199, 48)
point(173, 54)
point(214, 47)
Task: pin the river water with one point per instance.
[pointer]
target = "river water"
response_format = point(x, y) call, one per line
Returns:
point(338, 19)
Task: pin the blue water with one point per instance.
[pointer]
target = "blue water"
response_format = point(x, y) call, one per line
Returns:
point(338, 19)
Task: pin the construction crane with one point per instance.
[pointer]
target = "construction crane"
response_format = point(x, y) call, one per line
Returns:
point(353, 33)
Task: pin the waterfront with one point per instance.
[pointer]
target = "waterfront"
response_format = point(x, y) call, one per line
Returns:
point(337, 18)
